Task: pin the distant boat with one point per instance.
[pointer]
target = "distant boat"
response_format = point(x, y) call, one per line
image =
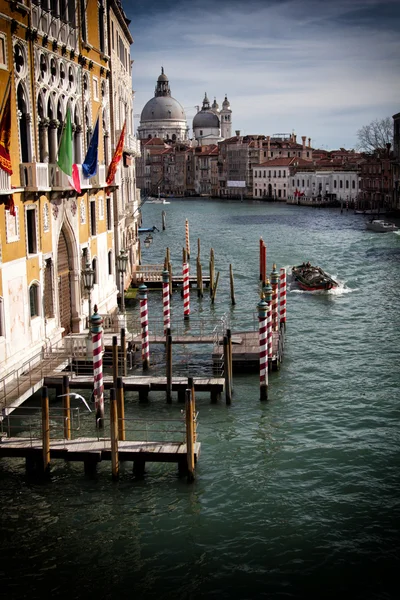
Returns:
point(370, 212)
point(147, 229)
point(313, 278)
point(381, 226)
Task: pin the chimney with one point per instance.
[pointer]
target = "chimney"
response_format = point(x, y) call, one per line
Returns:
point(268, 147)
point(295, 138)
point(303, 151)
point(309, 142)
point(237, 132)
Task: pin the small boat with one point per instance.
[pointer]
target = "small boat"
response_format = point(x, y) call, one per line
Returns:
point(381, 226)
point(370, 212)
point(148, 229)
point(312, 278)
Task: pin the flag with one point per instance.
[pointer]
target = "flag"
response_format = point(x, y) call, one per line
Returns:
point(116, 158)
point(5, 136)
point(89, 165)
point(65, 155)
point(10, 206)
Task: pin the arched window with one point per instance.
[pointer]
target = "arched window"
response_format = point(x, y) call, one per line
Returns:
point(94, 267)
point(24, 125)
point(34, 299)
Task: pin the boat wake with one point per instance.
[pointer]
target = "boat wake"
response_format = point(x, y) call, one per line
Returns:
point(338, 291)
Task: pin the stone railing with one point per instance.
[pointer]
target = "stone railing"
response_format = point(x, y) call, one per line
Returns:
point(35, 176)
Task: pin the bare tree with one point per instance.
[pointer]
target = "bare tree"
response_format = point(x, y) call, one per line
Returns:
point(375, 135)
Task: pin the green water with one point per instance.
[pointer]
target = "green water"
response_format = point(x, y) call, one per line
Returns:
point(294, 498)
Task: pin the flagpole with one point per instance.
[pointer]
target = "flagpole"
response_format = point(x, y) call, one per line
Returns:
point(5, 95)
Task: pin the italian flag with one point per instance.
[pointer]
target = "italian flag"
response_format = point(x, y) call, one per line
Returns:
point(65, 155)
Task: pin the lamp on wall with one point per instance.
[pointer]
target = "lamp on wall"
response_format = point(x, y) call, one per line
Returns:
point(88, 284)
point(122, 264)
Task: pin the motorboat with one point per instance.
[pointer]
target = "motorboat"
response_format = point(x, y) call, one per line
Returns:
point(312, 278)
point(370, 212)
point(381, 226)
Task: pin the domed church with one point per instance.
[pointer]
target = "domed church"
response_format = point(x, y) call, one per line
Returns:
point(163, 116)
point(210, 125)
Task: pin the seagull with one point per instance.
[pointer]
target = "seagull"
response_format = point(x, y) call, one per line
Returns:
point(77, 396)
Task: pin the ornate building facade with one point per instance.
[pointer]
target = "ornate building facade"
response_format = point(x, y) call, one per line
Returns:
point(57, 59)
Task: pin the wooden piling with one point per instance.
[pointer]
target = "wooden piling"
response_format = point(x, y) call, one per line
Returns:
point(66, 408)
point(198, 248)
point(189, 435)
point(233, 301)
point(168, 350)
point(211, 271)
point(191, 387)
point(170, 278)
point(121, 409)
point(163, 220)
point(215, 289)
point(200, 288)
point(123, 352)
point(227, 372)
point(115, 359)
point(45, 430)
point(114, 434)
point(229, 336)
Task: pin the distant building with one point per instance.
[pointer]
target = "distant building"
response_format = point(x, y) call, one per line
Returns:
point(396, 162)
point(163, 117)
point(271, 179)
point(210, 125)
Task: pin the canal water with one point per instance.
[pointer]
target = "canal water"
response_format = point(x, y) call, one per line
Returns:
point(297, 497)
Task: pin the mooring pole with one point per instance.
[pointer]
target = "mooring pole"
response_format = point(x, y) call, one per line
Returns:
point(186, 292)
point(115, 360)
point(229, 336)
point(268, 296)
point(166, 304)
point(215, 289)
point(262, 318)
point(189, 434)
point(168, 351)
point(97, 335)
point(123, 351)
point(45, 430)
point(282, 294)
point(66, 408)
point(145, 327)
point(114, 434)
point(121, 409)
point(187, 239)
point(163, 220)
point(274, 283)
point(211, 271)
point(227, 372)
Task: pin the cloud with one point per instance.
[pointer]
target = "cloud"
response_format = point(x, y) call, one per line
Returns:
point(291, 62)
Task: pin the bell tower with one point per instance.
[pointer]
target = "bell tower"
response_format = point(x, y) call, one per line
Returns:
point(226, 119)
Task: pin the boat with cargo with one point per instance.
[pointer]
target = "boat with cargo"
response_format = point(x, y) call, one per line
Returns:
point(313, 278)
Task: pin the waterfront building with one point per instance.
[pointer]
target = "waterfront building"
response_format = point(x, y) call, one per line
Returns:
point(163, 116)
point(56, 61)
point(376, 180)
point(271, 179)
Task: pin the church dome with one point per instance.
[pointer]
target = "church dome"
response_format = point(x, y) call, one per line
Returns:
point(226, 103)
point(205, 119)
point(161, 108)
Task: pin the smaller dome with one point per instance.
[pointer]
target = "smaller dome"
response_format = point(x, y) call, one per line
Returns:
point(205, 119)
point(163, 76)
point(215, 105)
point(226, 103)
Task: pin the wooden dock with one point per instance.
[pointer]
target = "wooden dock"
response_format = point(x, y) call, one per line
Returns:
point(246, 351)
point(91, 451)
point(144, 385)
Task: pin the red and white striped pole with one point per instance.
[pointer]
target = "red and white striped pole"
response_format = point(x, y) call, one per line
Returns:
point(97, 334)
point(187, 239)
point(262, 334)
point(186, 294)
point(166, 305)
point(274, 283)
point(144, 321)
point(282, 295)
point(267, 290)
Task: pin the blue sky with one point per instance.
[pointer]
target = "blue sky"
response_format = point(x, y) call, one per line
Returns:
point(318, 68)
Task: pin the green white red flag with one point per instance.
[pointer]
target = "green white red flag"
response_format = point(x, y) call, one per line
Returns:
point(65, 155)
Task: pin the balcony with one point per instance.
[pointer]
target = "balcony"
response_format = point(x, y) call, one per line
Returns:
point(85, 181)
point(99, 180)
point(5, 183)
point(58, 179)
point(35, 177)
point(132, 145)
point(117, 177)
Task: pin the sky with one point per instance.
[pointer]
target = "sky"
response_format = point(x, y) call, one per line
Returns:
point(317, 68)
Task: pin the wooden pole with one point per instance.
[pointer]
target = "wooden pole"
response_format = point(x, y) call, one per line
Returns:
point(262, 318)
point(229, 336)
point(187, 240)
point(121, 409)
point(163, 220)
point(227, 371)
point(114, 434)
point(115, 360)
point(123, 351)
point(170, 277)
point(261, 259)
point(215, 289)
point(189, 434)
point(144, 322)
point(168, 350)
point(232, 286)
point(191, 387)
point(200, 290)
point(211, 271)
point(167, 256)
point(45, 430)
point(66, 408)
point(198, 248)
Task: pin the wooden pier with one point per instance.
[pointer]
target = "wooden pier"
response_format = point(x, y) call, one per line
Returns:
point(144, 385)
point(151, 276)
